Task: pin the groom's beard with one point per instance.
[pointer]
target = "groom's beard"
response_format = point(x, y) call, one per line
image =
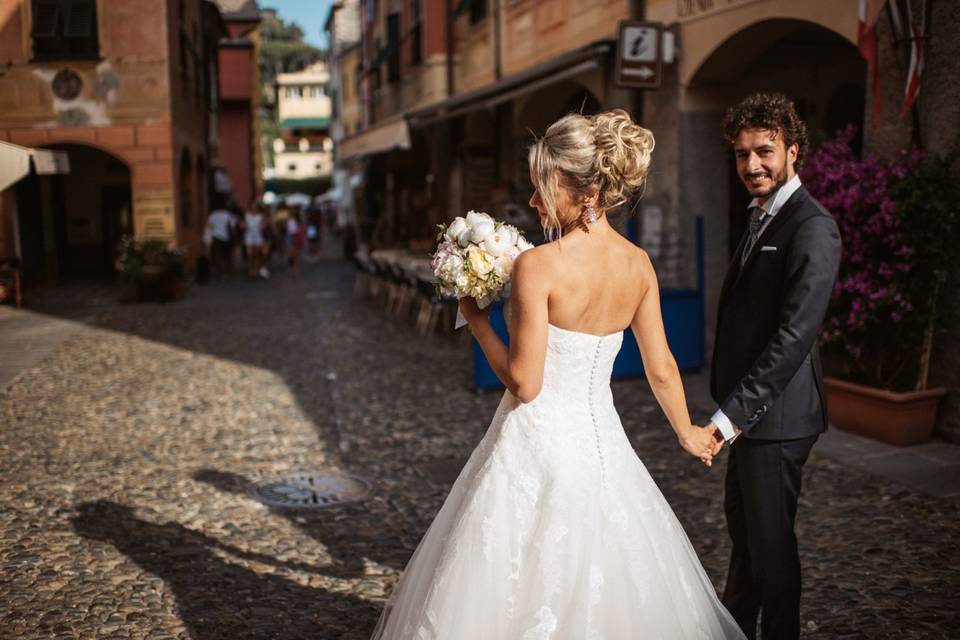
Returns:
point(778, 181)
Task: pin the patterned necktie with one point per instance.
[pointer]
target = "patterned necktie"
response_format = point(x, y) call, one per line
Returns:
point(757, 218)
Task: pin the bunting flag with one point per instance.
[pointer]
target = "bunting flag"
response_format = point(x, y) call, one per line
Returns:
point(867, 16)
point(916, 59)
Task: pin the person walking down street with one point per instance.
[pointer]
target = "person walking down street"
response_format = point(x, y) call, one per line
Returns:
point(253, 241)
point(296, 240)
point(313, 234)
point(220, 222)
point(269, 241)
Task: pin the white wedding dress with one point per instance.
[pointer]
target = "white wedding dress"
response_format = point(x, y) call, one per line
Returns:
point(555, 530)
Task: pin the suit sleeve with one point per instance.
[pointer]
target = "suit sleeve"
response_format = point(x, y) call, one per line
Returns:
point(813, 260)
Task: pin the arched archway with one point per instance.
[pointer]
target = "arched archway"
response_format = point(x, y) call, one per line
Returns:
point(814, 64)
point(86, 211)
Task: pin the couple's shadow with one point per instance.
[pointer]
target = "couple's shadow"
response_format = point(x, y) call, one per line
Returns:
point(217, 598)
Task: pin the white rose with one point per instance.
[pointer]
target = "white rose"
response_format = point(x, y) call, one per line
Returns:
point(476, 217)
point(481, 231)
point(514, 235)
point(464, 238)
point(458, 226)
point(451, 267)
point(523, 244)
point(479, 262)
point(497, 243)
point(503, 267)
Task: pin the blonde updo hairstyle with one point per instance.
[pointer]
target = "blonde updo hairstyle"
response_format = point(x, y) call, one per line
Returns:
point(607, 154)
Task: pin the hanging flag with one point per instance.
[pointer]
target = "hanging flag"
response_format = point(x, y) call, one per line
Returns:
point(916, 59)
point(867, 16)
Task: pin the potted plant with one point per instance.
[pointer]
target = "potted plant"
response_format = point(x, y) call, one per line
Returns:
point(151, 270)
point(897, 219)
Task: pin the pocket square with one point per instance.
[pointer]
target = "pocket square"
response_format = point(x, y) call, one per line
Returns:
point(768, 248)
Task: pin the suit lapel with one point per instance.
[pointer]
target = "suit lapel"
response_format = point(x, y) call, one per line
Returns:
point(791, 205)
point(733, 271)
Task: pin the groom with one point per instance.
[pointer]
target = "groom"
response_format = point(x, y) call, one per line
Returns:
point(766, 374)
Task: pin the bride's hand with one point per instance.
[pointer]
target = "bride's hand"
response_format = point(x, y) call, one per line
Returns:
point(699, 442)
point(473, 313)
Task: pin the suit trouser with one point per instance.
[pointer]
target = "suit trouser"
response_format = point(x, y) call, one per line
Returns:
point(761, 491)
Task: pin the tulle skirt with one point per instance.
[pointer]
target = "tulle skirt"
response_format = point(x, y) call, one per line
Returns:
point(548, 535)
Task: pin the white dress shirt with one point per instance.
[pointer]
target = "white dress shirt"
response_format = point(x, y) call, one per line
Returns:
point(772, 206)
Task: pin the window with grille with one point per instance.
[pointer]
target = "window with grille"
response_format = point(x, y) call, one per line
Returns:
point(65, 30)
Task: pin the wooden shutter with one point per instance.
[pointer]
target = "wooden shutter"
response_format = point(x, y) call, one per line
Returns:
point(80, 17)
point(46, 18)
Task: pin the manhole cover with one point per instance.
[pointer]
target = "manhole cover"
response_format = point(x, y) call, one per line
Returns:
point(311, 490)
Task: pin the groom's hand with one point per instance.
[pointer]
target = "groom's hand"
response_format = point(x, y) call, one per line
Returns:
point(717, 437)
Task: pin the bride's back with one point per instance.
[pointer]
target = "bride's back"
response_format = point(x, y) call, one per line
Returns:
point(596, 280)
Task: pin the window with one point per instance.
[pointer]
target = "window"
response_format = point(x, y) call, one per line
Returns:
point(316, 92)
point(416, 37)
point(65, 30)
point(295, 93)
point(393, 47)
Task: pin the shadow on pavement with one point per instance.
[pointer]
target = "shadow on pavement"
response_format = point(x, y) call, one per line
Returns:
point(351, 534)
point(219, 599)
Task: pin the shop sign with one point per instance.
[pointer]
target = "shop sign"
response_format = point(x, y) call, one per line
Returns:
point(639, 54)
point(153, 216)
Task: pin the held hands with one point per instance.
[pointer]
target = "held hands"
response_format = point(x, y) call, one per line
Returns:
point(700, 442)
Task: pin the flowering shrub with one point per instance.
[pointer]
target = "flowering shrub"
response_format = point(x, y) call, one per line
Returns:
point(151, 258)
point(895, 218)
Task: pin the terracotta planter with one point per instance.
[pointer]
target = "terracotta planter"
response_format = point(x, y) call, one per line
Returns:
point(895, 418)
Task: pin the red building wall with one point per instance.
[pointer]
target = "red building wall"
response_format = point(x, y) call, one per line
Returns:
point(235, 148)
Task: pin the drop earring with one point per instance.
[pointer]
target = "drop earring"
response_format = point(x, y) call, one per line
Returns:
point(591, 214)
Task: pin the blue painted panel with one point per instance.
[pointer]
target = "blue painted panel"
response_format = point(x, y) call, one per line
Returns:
point(683, 322)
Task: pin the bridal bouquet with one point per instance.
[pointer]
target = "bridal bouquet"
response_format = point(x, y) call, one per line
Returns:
point(475, 257)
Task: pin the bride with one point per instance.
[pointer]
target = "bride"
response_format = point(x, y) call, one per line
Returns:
point(554, 529)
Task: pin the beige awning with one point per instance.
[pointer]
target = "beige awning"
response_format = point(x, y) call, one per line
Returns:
point(389, 135)
point(15, 162)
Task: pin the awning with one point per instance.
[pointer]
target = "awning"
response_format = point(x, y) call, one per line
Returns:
point(386, 136)
point(305, 123)
point(560, 68)
point(15, 162)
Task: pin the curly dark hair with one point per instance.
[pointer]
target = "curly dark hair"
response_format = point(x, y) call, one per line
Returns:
point(773, 111)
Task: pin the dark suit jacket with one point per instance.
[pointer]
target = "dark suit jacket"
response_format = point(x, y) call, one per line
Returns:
point(766, 374)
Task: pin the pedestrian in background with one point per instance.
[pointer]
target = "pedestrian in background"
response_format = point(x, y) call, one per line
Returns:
point(221, 224)
point(296, 240)
point(253, 241)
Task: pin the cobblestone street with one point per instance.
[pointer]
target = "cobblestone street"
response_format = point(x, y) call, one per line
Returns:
point(128, 453)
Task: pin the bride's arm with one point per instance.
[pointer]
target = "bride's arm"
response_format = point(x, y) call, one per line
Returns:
point(661, 367)
point(519, 367)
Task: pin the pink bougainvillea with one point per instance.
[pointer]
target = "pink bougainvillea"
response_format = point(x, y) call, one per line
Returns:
point(883, 289)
